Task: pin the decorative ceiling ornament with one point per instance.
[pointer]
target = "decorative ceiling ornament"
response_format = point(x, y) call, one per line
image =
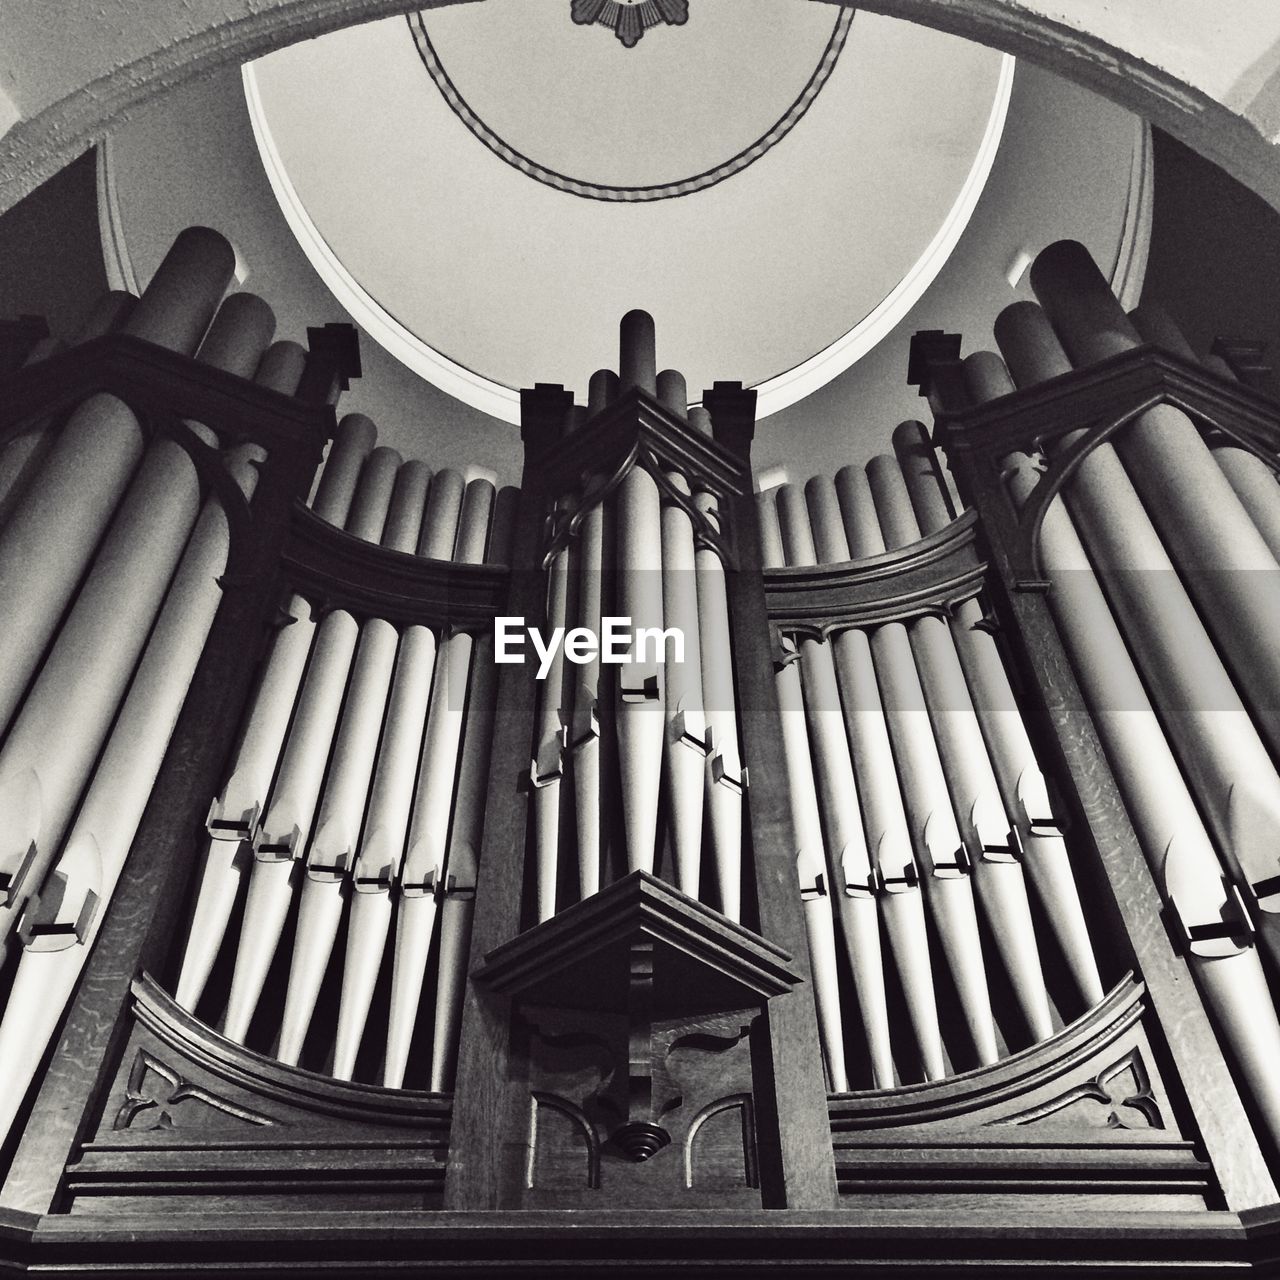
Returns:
point(630, 19)
point(656, 191)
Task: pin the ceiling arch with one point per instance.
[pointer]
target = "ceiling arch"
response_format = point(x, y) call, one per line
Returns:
point(1207, 75)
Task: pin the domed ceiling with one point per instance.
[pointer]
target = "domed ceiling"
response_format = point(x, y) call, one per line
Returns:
point(790, 187)
point(488, 187)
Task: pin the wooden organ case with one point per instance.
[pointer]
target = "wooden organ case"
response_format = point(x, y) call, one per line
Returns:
point(919, 914)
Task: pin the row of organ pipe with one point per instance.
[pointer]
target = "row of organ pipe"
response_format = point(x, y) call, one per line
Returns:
point(353, 806)
point(1165, 588)
point(101, 643)
point(920, 809)
point(638, 768)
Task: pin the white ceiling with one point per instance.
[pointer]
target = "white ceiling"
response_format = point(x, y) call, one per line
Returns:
point(1064, 167)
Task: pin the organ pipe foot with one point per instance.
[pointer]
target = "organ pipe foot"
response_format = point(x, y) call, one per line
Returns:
point(225, 864)
point(271, 886)
point(1004, 900)
point(367, 929)
point(415, 924)
point(861, 926)
point(820, 930)
point(455, 941)
point(903, 913)
point(1046, 860)
point(319, 915)
point(956, 920)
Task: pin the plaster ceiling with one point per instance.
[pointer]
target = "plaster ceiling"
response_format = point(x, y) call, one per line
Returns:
point(1069, 164)
point(483, 281)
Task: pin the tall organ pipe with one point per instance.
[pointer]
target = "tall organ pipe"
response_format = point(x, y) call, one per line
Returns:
point(233, 816)
point(341, 812)
point(78, 691)
point(724, 776)
point(1017, 771)
point(1168, 825)
point(386, 826)
point(62, 514)
point(59, 927)
point(1229, 567)
point(993, 846)
point(457, 906)
point(423, 880)
point(547, 769)
point(936, 837)
point(811, 860)
point(1222, 754)
point(640, 707)
point(1253, 479)
point(888, 838)
point(283, 836)
point(685, 748)
point(853, 881)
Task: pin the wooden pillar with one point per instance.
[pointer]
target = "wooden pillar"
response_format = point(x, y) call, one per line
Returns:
point(799, 1173)
point(483, 1096)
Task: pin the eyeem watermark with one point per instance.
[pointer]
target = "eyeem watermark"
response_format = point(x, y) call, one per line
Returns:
point(618, 642)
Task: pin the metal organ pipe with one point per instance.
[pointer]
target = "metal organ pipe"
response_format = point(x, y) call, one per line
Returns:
point(423, 879)
point(386, 830)
point(811, 859)
point(233, 816)
point(285, 830)
point(1218, 947)
point(724, 778)
point(63, 513)
point(1222, 754)
point(936, 836)
point(685, 749)
point(888, 839)
point(1229, 568)
point(988, 831)
point(59, 926)
point(457, 906)
point(341, 812)
point(1021, 782)
point(640, 703)
point(79, 688)
point(853, 878)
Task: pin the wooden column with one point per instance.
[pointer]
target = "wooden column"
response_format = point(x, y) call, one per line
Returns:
point(799, 1171)
point(484, 1095)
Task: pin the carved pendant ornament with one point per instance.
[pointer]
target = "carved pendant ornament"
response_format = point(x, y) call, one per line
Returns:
point(630, 19)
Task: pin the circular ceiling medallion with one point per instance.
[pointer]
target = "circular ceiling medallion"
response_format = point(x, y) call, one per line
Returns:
point(666, 190)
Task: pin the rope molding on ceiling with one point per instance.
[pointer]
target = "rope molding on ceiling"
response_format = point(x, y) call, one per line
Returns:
point(658, 191)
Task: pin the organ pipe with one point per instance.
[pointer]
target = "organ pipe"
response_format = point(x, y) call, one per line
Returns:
point(233, 817)
point(86, 673)
point(386, 828)
point(423, 881)
point(888, 838)
point(1218, 947)
point(987, 830)
point(1021, 782)
point(811, 858)
point(1228, 566)
point(1224, 758)
point(853, 879)
point(286, 823)
point(939, 847)
point(64, 512)
point(331, 856)
point(60, 925)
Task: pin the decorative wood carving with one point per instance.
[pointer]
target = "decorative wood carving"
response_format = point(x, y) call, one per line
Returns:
point(156, 1092)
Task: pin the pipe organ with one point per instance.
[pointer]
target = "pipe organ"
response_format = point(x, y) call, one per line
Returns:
point(840, 857)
